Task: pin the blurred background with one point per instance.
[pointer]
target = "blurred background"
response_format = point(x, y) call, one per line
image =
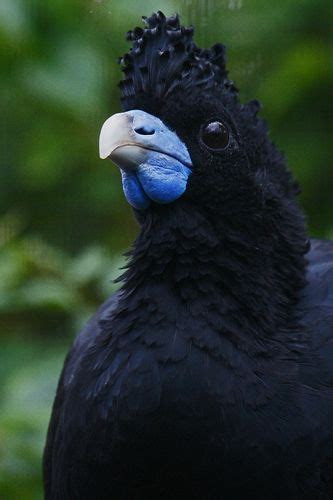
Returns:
point(64, 222)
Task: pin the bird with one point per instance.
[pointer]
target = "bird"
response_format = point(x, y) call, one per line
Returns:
point(209, 373)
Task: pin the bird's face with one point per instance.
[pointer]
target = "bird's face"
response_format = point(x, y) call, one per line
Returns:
point(192, 147)
point(184, 134)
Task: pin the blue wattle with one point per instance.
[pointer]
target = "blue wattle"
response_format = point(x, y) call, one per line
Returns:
point(133, 190)
point(159, 178)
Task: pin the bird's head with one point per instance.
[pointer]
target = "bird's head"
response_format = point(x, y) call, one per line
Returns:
point(216, 202)
point(185, 135)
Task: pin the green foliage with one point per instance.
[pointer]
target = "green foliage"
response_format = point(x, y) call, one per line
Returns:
point(45, 292)
point(63, 218)
point(29, 373)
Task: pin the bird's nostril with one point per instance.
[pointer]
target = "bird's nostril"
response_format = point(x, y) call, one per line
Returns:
point(144, 130)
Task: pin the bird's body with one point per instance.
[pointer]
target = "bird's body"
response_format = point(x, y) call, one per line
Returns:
point(209, 375)
point(153, 404)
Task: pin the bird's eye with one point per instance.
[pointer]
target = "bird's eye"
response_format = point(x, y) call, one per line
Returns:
point(215, 135)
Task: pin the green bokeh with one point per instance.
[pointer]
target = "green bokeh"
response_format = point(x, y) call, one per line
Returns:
point(63, 219)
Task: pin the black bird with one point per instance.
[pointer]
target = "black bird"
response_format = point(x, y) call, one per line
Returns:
point(209, 375)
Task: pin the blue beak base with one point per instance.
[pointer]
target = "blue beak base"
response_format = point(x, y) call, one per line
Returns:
point(160, 178)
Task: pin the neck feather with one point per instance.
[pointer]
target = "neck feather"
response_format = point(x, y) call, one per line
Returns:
point(243, 279)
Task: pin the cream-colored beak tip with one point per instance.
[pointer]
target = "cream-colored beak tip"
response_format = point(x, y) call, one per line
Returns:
point(104, 140)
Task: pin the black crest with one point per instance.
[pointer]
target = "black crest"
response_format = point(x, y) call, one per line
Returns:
point(164, 57)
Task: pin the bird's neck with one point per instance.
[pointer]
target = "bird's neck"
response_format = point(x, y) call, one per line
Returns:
point(237, 278)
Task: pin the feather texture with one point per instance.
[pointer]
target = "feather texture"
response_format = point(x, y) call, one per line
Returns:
point(164, 57)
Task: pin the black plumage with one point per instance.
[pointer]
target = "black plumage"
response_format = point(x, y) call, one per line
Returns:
point(209, 374)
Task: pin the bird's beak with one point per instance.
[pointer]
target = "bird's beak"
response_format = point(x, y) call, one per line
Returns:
point(120, 142)
point(127, 137)
point(154, 162)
